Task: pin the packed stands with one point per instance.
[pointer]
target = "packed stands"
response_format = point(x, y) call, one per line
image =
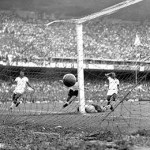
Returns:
point(103, 38)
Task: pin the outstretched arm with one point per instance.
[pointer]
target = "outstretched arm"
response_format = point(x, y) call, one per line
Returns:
point(118, 87)
point(30, 85)
point(12, 81)
point(107, 74)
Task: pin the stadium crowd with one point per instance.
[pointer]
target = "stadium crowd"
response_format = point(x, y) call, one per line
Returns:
point(30, 39)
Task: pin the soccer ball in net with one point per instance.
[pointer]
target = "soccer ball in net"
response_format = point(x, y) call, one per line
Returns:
point(69, 80)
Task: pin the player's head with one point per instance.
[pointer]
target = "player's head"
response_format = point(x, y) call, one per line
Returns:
point(22, 72)
point(113, 75)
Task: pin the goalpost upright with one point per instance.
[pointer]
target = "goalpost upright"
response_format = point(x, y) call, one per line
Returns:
point(80, 61)
point(79, 30)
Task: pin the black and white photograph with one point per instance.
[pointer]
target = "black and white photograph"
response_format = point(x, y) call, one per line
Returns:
point(74, 74)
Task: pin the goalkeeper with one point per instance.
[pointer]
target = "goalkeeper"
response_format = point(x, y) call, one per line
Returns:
point(95, 108)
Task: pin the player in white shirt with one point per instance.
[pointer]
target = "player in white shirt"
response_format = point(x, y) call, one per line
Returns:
point(113, 87)
point(21, 84)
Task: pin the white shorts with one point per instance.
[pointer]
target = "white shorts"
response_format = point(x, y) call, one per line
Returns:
point(111, 92)
point(18, 91)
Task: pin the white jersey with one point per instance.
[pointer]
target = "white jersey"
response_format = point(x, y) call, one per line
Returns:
point(74, 87)
point(113, 86)
point(21, 85)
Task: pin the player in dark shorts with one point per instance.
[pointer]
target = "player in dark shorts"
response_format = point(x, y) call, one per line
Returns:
point(72, 94)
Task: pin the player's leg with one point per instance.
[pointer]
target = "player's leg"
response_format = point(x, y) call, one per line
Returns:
point(74, 96)
point(15, 100)
point(70, 94)
point(78, 110)
point(109, 99)
point(71, 97)
point(114, 97)
point(70, 101)
point(17, 97)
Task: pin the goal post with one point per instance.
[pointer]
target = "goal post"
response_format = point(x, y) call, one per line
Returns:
point(79, 28)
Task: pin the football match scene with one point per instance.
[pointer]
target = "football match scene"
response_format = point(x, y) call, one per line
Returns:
point(74, 75)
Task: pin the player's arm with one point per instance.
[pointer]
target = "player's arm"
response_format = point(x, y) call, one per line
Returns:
point(107, 75)
point(118, 86)
point(12, 81)
point(30, 85)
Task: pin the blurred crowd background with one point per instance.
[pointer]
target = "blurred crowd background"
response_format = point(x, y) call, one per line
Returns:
point(30, 39)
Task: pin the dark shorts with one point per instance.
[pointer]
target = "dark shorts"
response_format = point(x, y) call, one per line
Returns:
point(97, 108)
point(15, 97)
point(112, 97)
point(73, 93)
